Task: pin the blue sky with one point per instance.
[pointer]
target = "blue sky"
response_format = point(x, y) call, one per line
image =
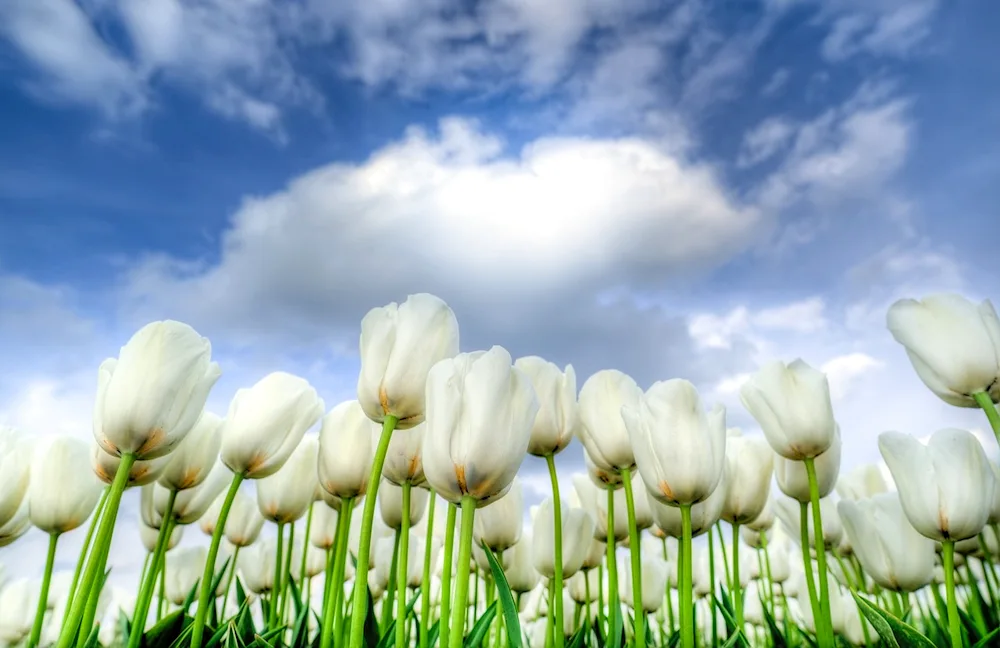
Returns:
point(671, 189)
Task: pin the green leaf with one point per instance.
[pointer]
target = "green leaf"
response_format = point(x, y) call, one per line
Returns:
point(777, 639)
point(216, 639)
point(576, 641)
point(985, 641)
point(92, 641)
point(433, 633)
point(164, 632)
point(617, 638)
point(371, 623)
point(300, 631)
point(729, 614)
point(480, 628)
point(510, 612)
point(893, 632)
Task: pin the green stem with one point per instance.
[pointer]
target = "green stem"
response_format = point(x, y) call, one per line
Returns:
point(229, 581)
point(713, 602)
point(807, 564)
point(94, 519)
point(613, 605)
point(425, 583)
point(205, 595)
point(401, 569)
point(286, 577)
point(444, 624)
point(457, 633)
point(305, 546)
point(767, 569)
point(95, 564)
point(600, 595)
point(986, 403)
point(43, 596)
point(365, 543)
point(737, 588)
point(557, 578)
point(954, 627)
point(346, 512)
point(725, 557)
point(161, 604)
point(148, 585)
point(639, 613)
point(390, 590)
point(272, 612)
point(826, 640)
point(687, 588)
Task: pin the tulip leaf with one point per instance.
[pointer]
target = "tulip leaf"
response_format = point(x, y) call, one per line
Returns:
point(432, 634)
point(988, 639)
point(617, 638)
point(371, 623)
point(481, 627)
point(164, 632)
point(300, 631)
point(510, 612)
point(576, 641)
point(729, 614)
point(216, 639)
point(777, 639)
point(894, 633)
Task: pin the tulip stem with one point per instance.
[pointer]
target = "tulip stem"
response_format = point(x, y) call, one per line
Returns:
point(639, 613)
point(94, 519)
point(286, 577)
point(444, 626)
point(272, 610)
point(810, 575)
point(826, 639)
point(95, 564)
point(390, 590)
point(712, 602)
point(43, 595)
point(229, 581)
point(557, 568)
point(613, 605)
point(737, 586)
point(767, 571)
point(360, 605)
point(986, 403)
point(425, 583)
point(205, 595)
point(954, 627)
point(333, 614)
point(401, 568)
point(457, 634)
point(687, 588)
point(149, 581)
point(305, 548)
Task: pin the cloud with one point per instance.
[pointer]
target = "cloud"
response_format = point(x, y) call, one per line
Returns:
point(893, 28)
point(764, 141)
point(776, 83)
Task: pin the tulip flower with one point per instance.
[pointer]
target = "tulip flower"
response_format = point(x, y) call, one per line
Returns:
point(469, 397)
point(793, 476)
point(578, 533)
point(518, 566)
point(16, 526)
point(244, 522)
point(403, 462)
point(892, 552)
point(140, 473)
point(602, 430)
point(196, 455)
point(499, 524)
point(749, 466)
point(15, 472)
point(256, 565)
point(654, 583)
point(862, 482)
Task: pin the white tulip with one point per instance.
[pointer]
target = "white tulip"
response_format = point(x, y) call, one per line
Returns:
point(602, 430)
point(63, 490)
point(558, 414)
point(346, 451)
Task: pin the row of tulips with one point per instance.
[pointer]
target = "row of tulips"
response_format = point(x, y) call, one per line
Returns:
point(435, 440)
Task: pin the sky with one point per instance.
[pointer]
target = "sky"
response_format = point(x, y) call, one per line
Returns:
point(672, 189)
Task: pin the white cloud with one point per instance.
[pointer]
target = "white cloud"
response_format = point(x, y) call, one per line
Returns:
point(764, 141)
point(845, 370)
point(893, 27)
point(709, 330)
point(776, 83)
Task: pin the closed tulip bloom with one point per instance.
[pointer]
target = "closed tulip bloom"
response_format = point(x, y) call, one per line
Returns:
point(595, 555)
point(704, 514)
point(765, 520)
point(266, 423)
point(602, 430)
point(577, 533)
point(791, 403)
point(16, 526)
point(286, 495)
point(15, 472)
point(788, 512)
point(346, 451)
point(63, 490)
point(140, 474)
point(390, 504)
point(256, 565)
point(654, 583)
point(148, 535)
point(679, 448)
point(17, 610)
point(150, 397)
point(244, 522)
point(399, 345)
point(196, 455)
point(191, 504)
point(595, 502)
point(892, 552)
point(558, 415)
point(954, 345)
point(323, 533)
point(500, 523)
point(601, 478)
point(403, 462)
point(946, 487)
point(578, 585)
point(185, 567)
point(470, 398)
point(518, 565)
point(209, 520)
point(862, 482)
point(793, 480)
point(315, 563)
point(749, 466)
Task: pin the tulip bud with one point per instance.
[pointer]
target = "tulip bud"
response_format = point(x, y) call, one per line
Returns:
point(500, 523)
point(286, 495)
point(140, 474)
point(765, 520)
point(469, 398)
point(558, 413)
point(791, 403)
point(602, 430)
point(749, 466)
point(789, 512)
point(63, 491)
point(403, 461)
point(185, 570)
point(244, 522)
point(793, 480)
point(399, 345)
point(256, 565)
point(149, 536)
point(191, 504)
point(954, 345)
point(679, 448)
point(323, 533)
point(595, 502)
point(654, 582)
point(577, 533)
point(390, 504)
point(946, 487)
point(266, 423)
point(704, 514)
point(890, 550)
point(518, 566)
point(345, 451)
point(17, 609)
point(15, 472)
point(150, 397)
point(196, 455)
point(16, 526)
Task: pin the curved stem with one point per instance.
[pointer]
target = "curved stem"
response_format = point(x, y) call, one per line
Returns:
point(457, 634)
point(95, 563)
point(401, 569)
point(205, 595)
point(986, 403)
point(43, 595)
point(425, 583)
point(767, 570)
point(149, 582)
point(94, 519)
point(824, 584)
point(954, 627)
point(807, 564)
point(229, 581)
point(444, 623)
point(639, 613)
point(737, 586)
point(557, 578)
point(687, 589)
point(613, 605)
point(365, 542)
